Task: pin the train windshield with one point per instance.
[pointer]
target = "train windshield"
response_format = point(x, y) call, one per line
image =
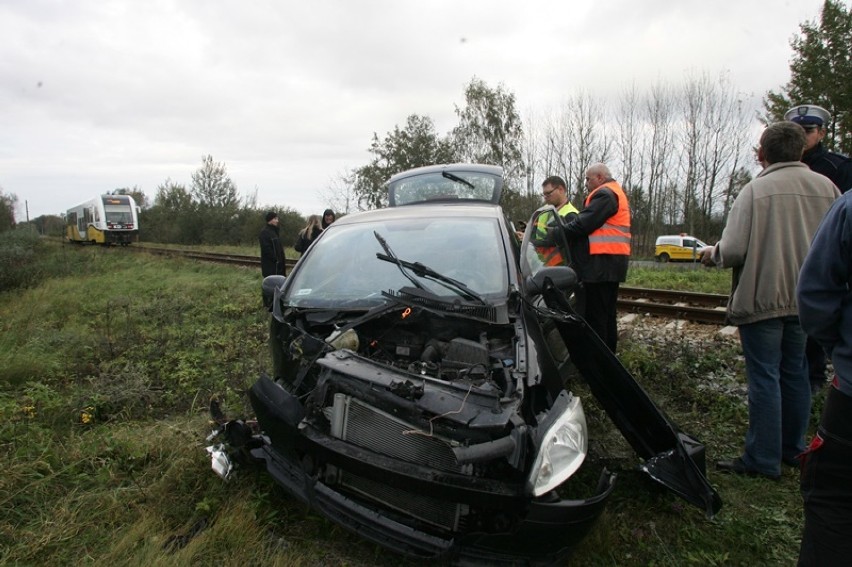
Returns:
point(118, 211)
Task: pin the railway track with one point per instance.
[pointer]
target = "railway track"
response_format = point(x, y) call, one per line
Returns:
point(707, 308)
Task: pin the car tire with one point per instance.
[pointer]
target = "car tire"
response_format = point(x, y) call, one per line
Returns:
point(664, 257)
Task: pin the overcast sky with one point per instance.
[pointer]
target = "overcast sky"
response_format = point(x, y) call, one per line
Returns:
point(99, 94)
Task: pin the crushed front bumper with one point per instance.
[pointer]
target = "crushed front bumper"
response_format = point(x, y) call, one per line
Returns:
point(531, 531)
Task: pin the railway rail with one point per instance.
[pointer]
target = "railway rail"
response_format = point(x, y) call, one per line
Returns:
point(707, 308)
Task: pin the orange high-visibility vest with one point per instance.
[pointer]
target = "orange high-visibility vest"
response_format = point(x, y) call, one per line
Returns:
point(613, 237)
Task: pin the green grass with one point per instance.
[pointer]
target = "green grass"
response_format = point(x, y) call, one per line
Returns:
point(682, 277)
point(107, 363)
point(244, 250)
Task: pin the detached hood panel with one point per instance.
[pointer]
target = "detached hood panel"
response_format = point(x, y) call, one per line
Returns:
point(673, 458)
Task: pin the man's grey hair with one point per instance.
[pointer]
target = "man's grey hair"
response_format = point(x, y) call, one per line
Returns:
point(599, 169)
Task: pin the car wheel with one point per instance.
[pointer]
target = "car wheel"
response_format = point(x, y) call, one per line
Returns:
point(664, 257)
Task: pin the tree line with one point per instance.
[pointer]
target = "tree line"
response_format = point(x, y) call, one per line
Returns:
point(681, 151)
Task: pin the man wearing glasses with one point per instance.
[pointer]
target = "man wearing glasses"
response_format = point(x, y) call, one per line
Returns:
point(836, 167)
point(555, 193)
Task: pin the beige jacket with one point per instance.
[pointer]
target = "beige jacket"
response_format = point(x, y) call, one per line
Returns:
point(768, 233)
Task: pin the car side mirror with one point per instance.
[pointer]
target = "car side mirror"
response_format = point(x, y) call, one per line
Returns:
point(268, 287)
point(561, 277)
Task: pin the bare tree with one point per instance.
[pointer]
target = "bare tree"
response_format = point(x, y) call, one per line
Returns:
point(556, 150)
point(585, 122)
point(662, 197)
point(693, 102)
point(713, 136)
point(531, 153)
point(340, 195)
point(627, 140)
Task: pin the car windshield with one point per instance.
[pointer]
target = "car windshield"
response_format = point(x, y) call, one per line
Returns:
point(342, 270)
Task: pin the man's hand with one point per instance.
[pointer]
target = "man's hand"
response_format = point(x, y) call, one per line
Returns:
point(706, 254)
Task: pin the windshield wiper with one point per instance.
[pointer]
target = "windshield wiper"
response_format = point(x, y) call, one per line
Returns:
point(457, 179)
point(424, 271)
point(391, 257)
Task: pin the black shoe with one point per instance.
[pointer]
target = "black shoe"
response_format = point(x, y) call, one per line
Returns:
point(737, 466)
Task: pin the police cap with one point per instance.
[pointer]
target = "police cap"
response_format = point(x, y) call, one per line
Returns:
point(808, 115)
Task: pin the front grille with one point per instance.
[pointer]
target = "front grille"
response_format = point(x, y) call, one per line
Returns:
point(369, 427)
point(366, 426)
point(436, 512)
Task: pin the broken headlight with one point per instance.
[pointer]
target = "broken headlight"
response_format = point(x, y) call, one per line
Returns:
point(562, 449)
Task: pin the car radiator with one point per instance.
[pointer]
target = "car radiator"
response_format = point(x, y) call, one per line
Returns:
point(371, 428)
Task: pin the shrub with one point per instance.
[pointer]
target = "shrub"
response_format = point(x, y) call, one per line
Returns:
point(18, 252)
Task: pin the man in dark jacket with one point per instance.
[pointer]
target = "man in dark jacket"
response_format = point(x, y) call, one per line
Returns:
point(825, 311)
point(814, 120)
point(599, 237)
point(271, 251)
point(836, 167)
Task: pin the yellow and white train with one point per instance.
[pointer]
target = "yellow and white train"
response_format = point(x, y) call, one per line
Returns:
point(106, 219)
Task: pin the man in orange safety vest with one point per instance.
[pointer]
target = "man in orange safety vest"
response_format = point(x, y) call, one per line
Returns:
point(600, 242)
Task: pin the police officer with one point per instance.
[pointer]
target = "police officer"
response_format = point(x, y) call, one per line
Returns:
point(814, 120)
point(836, 167)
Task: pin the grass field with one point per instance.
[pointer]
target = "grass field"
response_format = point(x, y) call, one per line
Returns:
point(108, 360)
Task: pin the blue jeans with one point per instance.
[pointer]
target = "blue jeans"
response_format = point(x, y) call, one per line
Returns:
point(779, 394)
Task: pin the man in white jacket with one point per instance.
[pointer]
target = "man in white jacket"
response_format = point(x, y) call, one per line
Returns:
point(766, 238)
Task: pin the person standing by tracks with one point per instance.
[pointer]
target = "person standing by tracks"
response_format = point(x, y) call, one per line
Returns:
point(836, 167)
point(599, 237)
point(271, 250)
point(307, 235)
point(765, 240)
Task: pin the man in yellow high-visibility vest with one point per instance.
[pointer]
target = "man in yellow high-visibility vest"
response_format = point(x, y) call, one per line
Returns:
point(555, 193)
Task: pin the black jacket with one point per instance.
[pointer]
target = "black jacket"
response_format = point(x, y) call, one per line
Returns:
point(271, 252)
point(302, 241)
point(595, 268)
point(836, 167)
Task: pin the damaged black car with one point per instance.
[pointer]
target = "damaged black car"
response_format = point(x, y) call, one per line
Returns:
point(419, 397)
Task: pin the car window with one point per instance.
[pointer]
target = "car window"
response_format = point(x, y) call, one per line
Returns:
point(342, 267)
point(463, 185)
